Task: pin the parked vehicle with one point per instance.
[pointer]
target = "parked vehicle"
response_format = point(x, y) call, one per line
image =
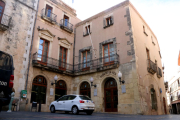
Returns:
point(6, 78)
point(73, 103)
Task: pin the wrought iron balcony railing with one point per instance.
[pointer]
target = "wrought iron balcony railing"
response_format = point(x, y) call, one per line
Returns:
point(159, 72)
point(151, 66)
point(51, 63)
point(99, 64)
point(5, 22)
point(64, 24)
point(48, 15)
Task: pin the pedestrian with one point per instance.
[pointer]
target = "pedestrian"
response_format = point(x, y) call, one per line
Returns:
point(12, 98)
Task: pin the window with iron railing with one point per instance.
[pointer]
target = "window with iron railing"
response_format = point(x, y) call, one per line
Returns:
point(46, 13)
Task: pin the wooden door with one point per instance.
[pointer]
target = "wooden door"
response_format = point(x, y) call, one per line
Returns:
point(62, 58)
point(85, 89)
point(2, 5)
point(86, 60)
point(66, 20)
point(48, 11)
point(164, 102)
point(108, 54)
point(43, 51)
point(111, 96)
point(61, 89)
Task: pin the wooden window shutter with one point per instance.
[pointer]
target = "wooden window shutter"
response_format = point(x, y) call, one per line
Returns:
point(104, 22)
point(112, 17)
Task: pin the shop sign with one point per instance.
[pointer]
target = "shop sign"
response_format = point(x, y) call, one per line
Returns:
point(107, 73)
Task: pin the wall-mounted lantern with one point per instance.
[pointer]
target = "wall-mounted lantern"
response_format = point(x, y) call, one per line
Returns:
point(55, 79)
point(91, 80)
point(120, 76)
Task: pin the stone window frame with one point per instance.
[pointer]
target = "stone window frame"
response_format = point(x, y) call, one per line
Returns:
point(84, 29)
point(48, 36)
point(112, 40)
point(65, 14)
point(89, 48)
point(63, 42)
point(105, 20)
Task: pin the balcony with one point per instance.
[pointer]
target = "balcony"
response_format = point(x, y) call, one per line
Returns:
point(151, 66)
point(55, 65)
point(65, 25)
point(96, 65)
point(5, 22)
point(48, 16)
point(52, 64)
point(166, 85)
point(159, 72)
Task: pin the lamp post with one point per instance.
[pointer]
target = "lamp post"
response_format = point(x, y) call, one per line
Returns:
point(120, 76)
point(55, 79)
point(91, 80)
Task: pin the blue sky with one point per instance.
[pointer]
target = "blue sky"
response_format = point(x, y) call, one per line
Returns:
point(163, 17)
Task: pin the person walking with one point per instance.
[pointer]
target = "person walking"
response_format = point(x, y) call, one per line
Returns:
point(12, 98)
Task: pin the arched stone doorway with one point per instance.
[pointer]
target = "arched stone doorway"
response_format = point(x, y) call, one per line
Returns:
point(38, 93)
point(85, 89)
point(60, 89)
point(111, 95)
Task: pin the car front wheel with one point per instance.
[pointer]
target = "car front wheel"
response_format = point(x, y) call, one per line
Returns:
point(89, 112)
point(53, 109)
point(75, 110)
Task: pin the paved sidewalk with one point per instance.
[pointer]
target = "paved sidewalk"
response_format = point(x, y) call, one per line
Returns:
point(95, 116)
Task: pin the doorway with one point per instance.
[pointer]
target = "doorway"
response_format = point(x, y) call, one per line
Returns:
point(164, 102)
point(111, 95)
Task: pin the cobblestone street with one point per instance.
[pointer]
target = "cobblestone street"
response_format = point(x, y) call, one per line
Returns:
point(95, 116)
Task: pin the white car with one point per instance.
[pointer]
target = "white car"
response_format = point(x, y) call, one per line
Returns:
point(73, 103)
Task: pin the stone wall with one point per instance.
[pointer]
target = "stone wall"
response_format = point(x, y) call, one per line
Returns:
point(17, 39)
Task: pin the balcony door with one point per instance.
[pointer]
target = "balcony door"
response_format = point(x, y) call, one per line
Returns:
point(43, 51)
point(66, 20)
point(48, 11)
point(2, 5)
point(108, 53)
point(86, 60)
point(62, 58)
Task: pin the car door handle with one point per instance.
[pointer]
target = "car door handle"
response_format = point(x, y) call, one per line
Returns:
point(63, 102)
point(72, 101)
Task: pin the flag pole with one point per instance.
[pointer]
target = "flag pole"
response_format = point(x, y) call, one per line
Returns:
point(91, 40)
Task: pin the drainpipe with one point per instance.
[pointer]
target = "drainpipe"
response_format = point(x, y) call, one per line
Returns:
point(31, 46)
point(74, 47)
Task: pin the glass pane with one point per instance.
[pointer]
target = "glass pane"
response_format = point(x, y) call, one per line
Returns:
point(40, 47)
point(108, 105)
point(108, 99)
point(41, 42)
point(115, 98)
point(108, 93)
point(115, 92)
point(38, 94)
point(49, 13)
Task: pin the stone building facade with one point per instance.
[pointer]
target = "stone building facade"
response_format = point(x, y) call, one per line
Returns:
point(17, 18)
point(173, 94)
point(117, 39)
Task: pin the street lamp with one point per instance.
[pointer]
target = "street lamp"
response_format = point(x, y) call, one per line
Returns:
point(91, 80)
point(120, 76)
point(55, 79)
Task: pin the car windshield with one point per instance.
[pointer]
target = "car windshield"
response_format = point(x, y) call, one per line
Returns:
point(85, 98)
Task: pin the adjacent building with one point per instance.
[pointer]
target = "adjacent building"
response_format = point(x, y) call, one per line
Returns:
point(17, 18)
point(97, 49)
point(174, 94)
